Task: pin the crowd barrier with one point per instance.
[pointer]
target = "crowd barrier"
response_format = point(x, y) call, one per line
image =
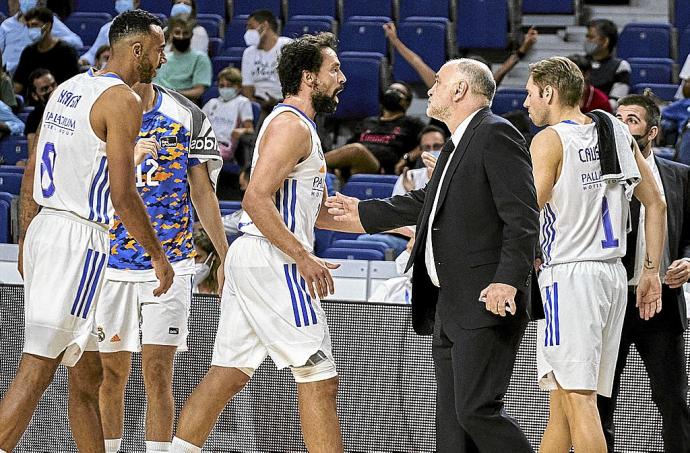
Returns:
point(386, 399)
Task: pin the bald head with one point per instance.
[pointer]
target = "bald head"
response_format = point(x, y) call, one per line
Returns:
point(477, 75)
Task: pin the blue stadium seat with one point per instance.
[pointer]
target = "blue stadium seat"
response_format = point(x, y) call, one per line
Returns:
point(360, 36)
point(11, 169)
point(311, 8)
point(228, 204)
point(424, 38)
point(361, 96)
point(367, 190)
point(355, 244)
point(482, 24)
point(3, 16)
point(300, 25)
point(322, 240)
point(330, 183)
point(210, 93)
point(681, 16)
point(644, 41)
point(665, 91)
point(234, 33)
point(256, 111)
point(548, 6)
point(651, 70)
point(367, 8)
point(156, 6)
point(95, 6)
point(683, 44)
point(683, 153)
point(377, 19)
point(436, 8)
point(373, 177)
point(10, 183)
point(13, 149)
point(233, 52)
point(213, 23)
point(5, 236)
point(353, 254)
point(222, 62)
point(87, 25)
point(8, 197)
point(215, 46)
point(210, 7)
point(507, 100)
point(242, 7)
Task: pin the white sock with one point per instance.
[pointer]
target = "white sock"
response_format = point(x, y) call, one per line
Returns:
point(181, 446)
point(157, 446)
point(112, 445)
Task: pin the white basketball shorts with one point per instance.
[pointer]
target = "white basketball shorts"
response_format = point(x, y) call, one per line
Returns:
point(265, 310)
point(577, 343)
point(64, 262)
point(127, 305)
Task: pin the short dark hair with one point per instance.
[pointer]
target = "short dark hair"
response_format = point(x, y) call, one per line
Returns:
point(36, 74)
point(41, 13)
point(264, 15)
point(581, 62)
point(652, 113)
point(103, 48)
point(607, 29)
point(302, 54)
point(408, 96)
point(429, 129)
point(129, 23)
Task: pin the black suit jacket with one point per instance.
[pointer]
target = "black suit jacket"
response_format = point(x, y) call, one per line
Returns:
point(675, 179)
point(485, 229)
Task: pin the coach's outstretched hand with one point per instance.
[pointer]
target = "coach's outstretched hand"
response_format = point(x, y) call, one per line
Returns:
point(343, 208)
point(317, 274)
point(649, 295)
point(164, 274)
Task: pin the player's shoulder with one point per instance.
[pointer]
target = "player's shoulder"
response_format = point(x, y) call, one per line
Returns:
point(120, 96)
point(546, 140)
point(178, 98)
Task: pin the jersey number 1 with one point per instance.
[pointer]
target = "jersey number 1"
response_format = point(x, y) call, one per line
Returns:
point(609, 241)
point(47, 169)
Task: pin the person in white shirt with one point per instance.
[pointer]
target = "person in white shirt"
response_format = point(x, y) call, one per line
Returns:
point(260, 59)
point(230, 113)
point(186, 9)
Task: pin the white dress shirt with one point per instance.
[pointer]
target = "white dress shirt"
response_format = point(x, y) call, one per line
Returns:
point(429, 250)
point(640, 247)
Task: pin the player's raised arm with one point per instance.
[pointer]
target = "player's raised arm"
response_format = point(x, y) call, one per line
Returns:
point(117, 116)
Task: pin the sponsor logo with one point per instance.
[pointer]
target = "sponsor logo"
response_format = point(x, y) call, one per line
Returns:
point(68, 98)
point(115, 338)
point(168, 141)
point(173, 331)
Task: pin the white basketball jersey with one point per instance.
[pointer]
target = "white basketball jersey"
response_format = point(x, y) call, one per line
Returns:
point(586, 218)
point(71, 165)
point(300, 196)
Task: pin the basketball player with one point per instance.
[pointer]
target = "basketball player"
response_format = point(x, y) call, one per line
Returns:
point(182, 167)
point(85, 160)
point(273, 281)
point(584, 215)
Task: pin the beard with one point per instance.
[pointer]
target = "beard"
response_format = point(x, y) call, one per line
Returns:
point(324, 103)
point(145, 69)
point(438, 112)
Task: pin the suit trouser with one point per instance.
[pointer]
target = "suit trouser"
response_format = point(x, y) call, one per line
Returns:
point(663, 355)
point(473, 369)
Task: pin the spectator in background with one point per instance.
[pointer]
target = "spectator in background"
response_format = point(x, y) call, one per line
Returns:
point(6, 87)
point(186, 9)
point(428, 75)
point(592, 97)
point(48, 52)
point(9, 123)
point(187, 71)
point(89, 58)
point(260, 59)
point(102, 56)
point(61, 8)
point(230, 113)
point(381, 144)
point(206, 264)
point(41, 86)
point(14, 34)
point(610, 74)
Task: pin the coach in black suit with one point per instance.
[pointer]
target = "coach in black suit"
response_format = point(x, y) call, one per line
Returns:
point(481, 210)
point(659, 341)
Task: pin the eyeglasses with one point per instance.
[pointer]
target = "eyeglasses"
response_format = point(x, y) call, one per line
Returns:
point(432, 147)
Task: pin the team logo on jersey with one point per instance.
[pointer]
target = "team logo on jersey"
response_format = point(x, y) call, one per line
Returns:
point(101, 334)
point(173, 330)
point(169, 141)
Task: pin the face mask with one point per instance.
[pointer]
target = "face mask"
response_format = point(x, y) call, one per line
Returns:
point(641, 140)
point(35, 34)
point(392, 100)
point(252, 37)
point(181, 44)
point(435, 153)
point(401, 263)
point(26, 5)
point(227, 93)
point(591, 48)
point(180, 8)
point(201, 271)
point(123, 5)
